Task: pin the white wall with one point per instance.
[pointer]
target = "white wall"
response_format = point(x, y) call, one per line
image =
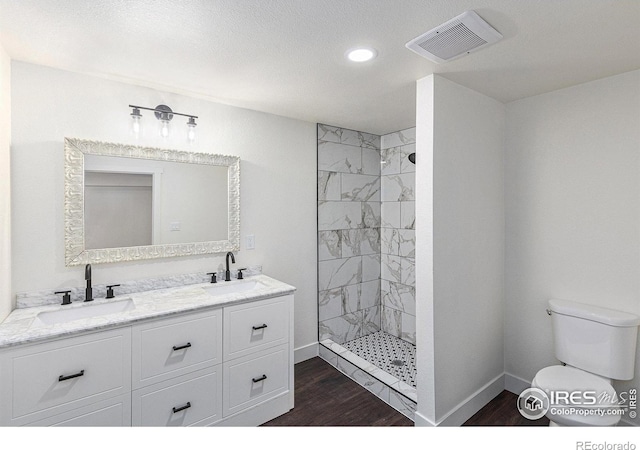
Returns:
point(278, 181)
point(572, 211)
point(6, 297)
point(468, 247)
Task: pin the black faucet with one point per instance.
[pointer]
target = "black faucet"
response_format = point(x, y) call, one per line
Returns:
point(227, 273)
point(88, 292)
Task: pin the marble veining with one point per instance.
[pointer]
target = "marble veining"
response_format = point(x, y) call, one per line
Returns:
point(398, 296)
point(329, 186)
point(341, 158)
point(390, 160)
point(19, 327)
point(398, 188)
point(398, 138)
point(364, 241)
point(391, 215)
point(340, 215)
point(48, 297)
point(360, 296)
point(341, 329)
point(407, 215)
point(329, 245)
point(330, 304)
point(345, 136)
point(360, 188)
point(370, 217)
point(339, 272)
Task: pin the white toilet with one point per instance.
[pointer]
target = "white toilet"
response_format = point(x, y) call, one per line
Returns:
point(597, 345)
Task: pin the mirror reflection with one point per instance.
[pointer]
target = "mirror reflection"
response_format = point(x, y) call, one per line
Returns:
point(133, 202)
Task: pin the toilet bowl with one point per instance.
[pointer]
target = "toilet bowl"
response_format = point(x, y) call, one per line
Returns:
point(595, 346)
point(594, 401)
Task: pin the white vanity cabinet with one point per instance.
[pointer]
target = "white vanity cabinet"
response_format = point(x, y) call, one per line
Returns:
point(225, 366)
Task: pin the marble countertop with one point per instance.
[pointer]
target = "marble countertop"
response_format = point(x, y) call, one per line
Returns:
point(23, 327)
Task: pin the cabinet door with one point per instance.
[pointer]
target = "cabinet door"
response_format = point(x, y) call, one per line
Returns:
point(255, 378)
point(43, 380)
point(168, 348)
point(255, 326)
point(193, 399)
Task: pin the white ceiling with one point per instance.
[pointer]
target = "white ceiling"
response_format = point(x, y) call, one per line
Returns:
point(287, 56)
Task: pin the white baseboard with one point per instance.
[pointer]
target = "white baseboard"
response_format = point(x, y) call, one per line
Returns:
point(474, 403)
point(468, 407)
point(421, 421)
point(515, 384)
point(306, 352)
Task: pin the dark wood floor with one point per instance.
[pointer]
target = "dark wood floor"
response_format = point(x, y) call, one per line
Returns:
point(326, 397)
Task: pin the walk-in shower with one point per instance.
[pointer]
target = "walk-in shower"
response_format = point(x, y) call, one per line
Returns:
point(366, 259)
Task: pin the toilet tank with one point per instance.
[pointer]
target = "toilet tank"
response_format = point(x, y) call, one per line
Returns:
point(598, 340)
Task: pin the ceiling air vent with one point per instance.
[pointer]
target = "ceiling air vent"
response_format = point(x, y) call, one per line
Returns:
point(461, 35)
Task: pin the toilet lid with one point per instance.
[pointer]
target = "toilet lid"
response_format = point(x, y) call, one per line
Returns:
point(570, 379)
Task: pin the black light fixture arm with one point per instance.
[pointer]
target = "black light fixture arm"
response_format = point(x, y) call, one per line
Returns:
point(160, 111)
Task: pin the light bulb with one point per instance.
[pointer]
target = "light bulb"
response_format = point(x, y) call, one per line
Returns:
point(191, 133)
point(164, 128)
point(135, 122)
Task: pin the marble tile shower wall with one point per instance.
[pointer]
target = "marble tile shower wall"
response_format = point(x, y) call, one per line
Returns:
point(397, 232)
point(349, 216)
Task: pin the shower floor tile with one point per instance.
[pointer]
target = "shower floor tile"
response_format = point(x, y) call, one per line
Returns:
point(387, 352)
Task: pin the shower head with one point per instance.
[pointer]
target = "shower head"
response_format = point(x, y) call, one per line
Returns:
point(412, 158)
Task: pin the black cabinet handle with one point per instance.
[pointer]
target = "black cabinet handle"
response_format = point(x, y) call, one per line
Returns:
point(187, 345)
point(256, 380)
point(182, 408)
point(68, 377)
point(260, 327)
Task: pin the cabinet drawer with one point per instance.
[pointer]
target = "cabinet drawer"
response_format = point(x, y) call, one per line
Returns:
point(115, 412)
point(193, 399)
point(255, 378)
point(255, 326)
point(174, 347)
point(48, 379)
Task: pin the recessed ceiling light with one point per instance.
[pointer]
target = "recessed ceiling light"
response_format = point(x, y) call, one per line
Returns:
point(361, 54)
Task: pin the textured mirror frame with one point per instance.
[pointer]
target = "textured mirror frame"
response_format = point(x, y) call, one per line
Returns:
point(75, 252)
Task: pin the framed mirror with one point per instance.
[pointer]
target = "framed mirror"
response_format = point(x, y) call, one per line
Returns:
point(129, 203)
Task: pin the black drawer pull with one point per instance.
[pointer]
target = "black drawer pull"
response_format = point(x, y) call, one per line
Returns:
point(260, 327)
point(187, 345)
point(68, 377)
point(256, 380)
point(182, 408)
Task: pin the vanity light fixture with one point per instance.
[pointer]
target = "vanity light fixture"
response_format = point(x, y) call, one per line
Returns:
point(164, 114)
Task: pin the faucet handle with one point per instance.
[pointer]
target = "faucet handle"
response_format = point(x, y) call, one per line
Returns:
point(66, 298)
point(213, 277)
point(110, 290)
point(240, 273)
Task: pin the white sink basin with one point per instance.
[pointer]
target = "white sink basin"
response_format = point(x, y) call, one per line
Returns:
point(69, 314)
point(233, 287)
